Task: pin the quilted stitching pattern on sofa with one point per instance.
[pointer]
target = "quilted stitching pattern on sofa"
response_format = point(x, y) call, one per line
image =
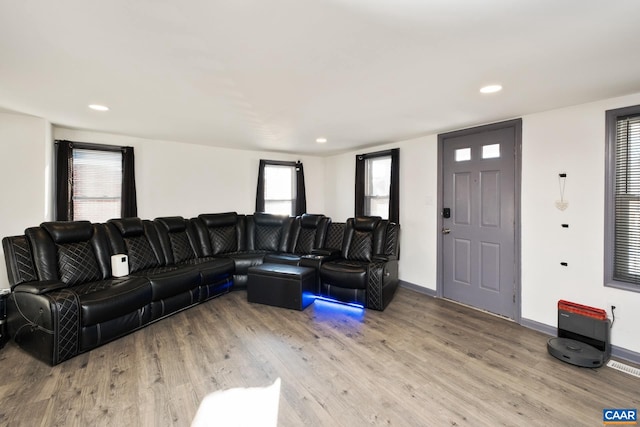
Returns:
point(67, 326)
point(335, 233)
point(374, 285)
point(23, 259)
point(181, 247)
point(305, 242)
point(267, 238)
point(141, 256)
point(361, 246)
point(77, 263)
point(392, 240)
point(223, 239)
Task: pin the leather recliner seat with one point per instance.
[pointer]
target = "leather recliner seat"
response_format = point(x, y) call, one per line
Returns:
point(179, 245)
point(174, 287)
point(76, 304)
point(308, 233)
point(367, 271)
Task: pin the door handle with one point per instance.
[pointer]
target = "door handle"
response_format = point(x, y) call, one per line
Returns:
point(445, 230)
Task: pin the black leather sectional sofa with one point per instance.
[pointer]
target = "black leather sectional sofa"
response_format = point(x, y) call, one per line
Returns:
point(65, 300)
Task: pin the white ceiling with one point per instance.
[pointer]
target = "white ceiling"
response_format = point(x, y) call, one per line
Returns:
point(277, 74)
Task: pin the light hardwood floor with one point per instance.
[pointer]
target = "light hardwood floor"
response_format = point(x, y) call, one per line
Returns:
point(421, 362)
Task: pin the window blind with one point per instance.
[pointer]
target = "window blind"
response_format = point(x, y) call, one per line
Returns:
point(377, 186)
point(97, 184)
point(626, 260)
point(279, 189)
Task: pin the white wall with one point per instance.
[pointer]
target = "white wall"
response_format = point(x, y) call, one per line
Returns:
point(24, 175)
point(174, 178)
point(570, 140)
point(418, 203)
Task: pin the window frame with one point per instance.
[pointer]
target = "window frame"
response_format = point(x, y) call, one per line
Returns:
point(292, 200)
point(612, 117)
point(63, 166)
point(368, 184)
point(298, 202)
point(394, 185)
point(76, 197)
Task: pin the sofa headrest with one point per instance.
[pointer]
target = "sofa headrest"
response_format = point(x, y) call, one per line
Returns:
point(366, 223)
point(68, 231)
point(219, 220)
point(310, 220)
point(173, 224)
point(267, 219)
point(128, 227)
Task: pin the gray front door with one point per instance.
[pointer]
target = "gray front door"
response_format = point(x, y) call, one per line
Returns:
point(478, 224)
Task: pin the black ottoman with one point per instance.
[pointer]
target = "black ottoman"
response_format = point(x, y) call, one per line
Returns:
point(281, 285)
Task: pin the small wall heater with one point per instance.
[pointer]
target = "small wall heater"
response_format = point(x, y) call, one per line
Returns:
point(583, 335)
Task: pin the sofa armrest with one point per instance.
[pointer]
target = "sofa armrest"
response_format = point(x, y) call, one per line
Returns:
point(316, 260)
point(40, 287)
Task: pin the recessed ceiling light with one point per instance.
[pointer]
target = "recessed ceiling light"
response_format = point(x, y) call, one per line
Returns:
point(98, 107)
point(491, 89)
point(321, 140)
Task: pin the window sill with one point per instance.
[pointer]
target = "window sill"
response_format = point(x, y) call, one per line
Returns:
point(625, 286)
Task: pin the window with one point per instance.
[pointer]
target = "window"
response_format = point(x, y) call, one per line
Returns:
point(491, 151)
point(377, 184)
point(97, 178)
point(281, 188)
point(463, 154)
point(94, 182)
point(622, 232)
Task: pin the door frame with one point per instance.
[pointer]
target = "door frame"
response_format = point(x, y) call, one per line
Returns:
point(516, 124)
